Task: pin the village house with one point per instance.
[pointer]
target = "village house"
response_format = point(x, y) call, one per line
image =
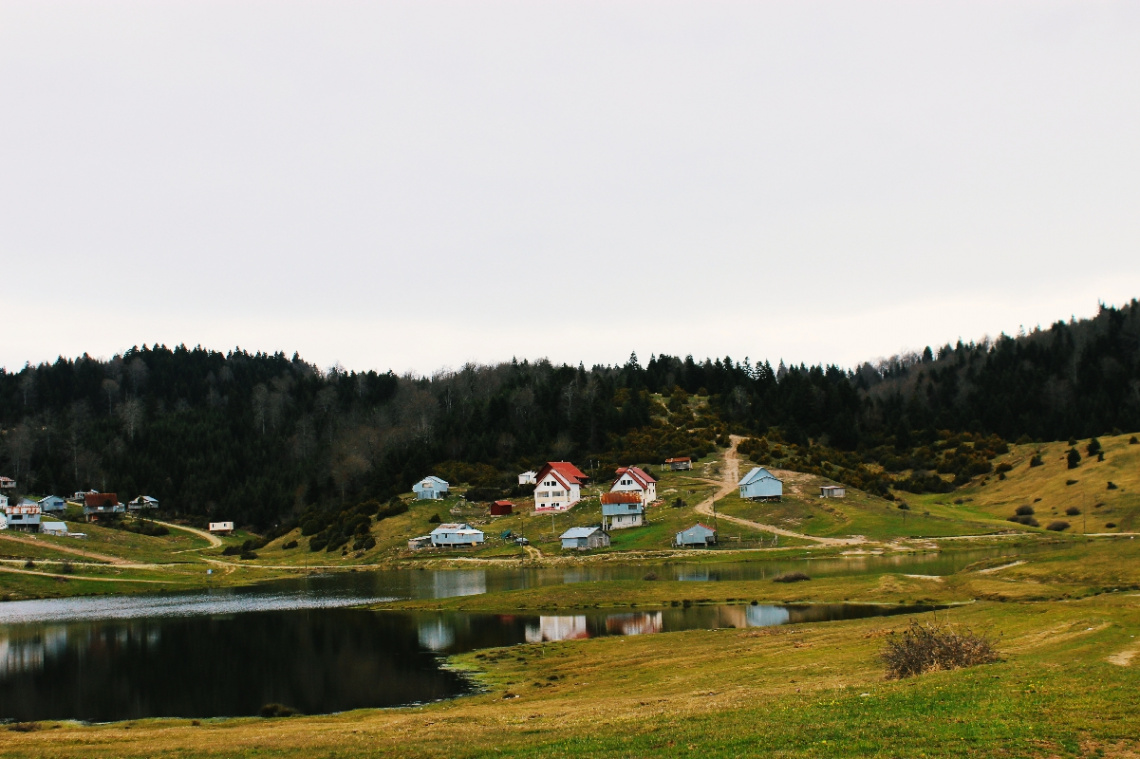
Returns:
point(559, 486)
point(430, 488)
point(632, 479)
point(832, 491)
point(221, 528)
point(680, 463)
point(761, 485)
point(698, 535)
point(52, 503)
point(584, 538)
point(529, 477)
point(456, 534)
point(24, 515)
point(621, 510)
point(53, 528)
point(7, 483)
point(502, 508)
point(100, 505)
point(143, 502)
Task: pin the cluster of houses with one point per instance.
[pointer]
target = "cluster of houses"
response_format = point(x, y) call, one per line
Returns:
point(27, 514)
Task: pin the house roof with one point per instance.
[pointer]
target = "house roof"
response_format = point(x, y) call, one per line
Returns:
point(50, 497)
point(697, 528)
point(620, 496)
point(579, 532)
point(101, 499)
point(460, 527)
point(503, 503)
point(678, 460)
point(637, 474)
point(758, 473)
point(434, 479)
point(564, 472)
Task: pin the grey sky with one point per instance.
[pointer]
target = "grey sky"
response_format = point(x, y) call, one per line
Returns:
point(415, 185)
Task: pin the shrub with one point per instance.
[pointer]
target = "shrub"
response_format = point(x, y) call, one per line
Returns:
point(290, 545)
point(904, 507)
point(1036, 460)
point(791, 577)
point(247, 555)
point(1110, 525)
point(1024, 511)
point(1111, 485)
point(650, 576)
point(24, 727)
point(316, 544)
point(29, 564)
point(1073, 457)
point(1003, 467)
point(1133, 440)
point(278, 710)
point(231, 551)
point(1025, 520)
point(934, 648)
point(1071, 482)
point(1072, 511)
point(1093, 448)
point(1072, 441)
point(67, 568)
point(434, 519)
point(1058, 526)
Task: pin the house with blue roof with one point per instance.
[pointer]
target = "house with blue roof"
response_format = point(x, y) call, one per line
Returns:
point(696, 536)
point(760, 484)
point(584, 538)
point(430, 488)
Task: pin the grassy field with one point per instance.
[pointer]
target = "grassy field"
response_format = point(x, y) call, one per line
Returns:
point(1067, 685)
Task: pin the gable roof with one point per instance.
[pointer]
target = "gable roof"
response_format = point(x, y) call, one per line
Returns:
point(637, 474)
point(678, 460)
point(50, 498)
point(93, 500)
point(563, 471)
point(504, 503)
point(434, 479)
point(698, 527)
point(620, 496)
point(758, 473)
point(579, 532)
point(461, 527)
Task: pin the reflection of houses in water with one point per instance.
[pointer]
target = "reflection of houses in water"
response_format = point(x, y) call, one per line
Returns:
point(29, 655)
point(634, 624)
point(436, 635)
point(767, 616)
point(557, 628)
point(450, 583)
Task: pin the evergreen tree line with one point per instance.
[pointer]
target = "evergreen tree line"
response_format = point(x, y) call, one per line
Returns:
point(263, 438)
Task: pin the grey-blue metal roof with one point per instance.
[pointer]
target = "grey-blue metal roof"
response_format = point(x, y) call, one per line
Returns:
point(579, 532)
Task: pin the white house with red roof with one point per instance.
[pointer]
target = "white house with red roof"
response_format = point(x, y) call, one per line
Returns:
point(558, 486)
point(632, 479)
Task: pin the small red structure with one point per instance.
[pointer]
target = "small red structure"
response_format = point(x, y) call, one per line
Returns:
point(502, 508)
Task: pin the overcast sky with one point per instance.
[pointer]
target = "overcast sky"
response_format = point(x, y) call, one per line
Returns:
point(414, 185)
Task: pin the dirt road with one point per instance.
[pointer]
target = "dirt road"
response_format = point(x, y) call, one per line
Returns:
point(728, 484)
point(28, 540)
point(214, 540)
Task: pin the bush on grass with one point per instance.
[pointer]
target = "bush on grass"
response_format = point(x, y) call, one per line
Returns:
point(278, 710)
point(1072, 511)
point(290, 545)
point(791, 577)
point(931, 647)
point(1058, 526)
point(1024, 511)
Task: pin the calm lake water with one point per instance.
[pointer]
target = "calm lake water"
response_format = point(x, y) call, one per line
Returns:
point(228, 652)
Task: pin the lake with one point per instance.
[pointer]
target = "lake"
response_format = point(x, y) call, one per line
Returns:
point(228, 652)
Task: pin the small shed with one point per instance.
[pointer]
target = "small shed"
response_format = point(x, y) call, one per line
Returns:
point(52, 503)
point(502, 508)
point(679, 463)
point(832, 491)
point(760, 484)
point(143, 502)
point(456, 534)
point(529, 477)
point(697, 535)
point(423, 541)
point(584, 538)
point(621, 510)
point(221, 528)
point(53, 528)
point(430, 488)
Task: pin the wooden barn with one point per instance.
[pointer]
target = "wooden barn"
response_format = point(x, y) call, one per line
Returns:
point(502, 508)
point(832, 491)
point(679, 463)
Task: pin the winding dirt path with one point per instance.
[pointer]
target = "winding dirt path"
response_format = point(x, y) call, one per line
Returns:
point(102, 557)
point(728, 484)
point(214, 540)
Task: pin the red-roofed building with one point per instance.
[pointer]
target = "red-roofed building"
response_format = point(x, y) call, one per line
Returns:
point(96, 505)
point(632, 479)
point(501, 508)
point(558, 486)
point(679, 463)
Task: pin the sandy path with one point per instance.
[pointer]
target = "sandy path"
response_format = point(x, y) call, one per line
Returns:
point(64, 549)
point(84, 577)
point(991, 570)
point(214, 540)
point(728, 484)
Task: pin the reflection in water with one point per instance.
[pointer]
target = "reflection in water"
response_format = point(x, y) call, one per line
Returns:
point(557, 628)
point(436, 635)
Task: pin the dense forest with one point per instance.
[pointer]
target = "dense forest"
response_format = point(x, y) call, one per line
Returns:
point(263, 439)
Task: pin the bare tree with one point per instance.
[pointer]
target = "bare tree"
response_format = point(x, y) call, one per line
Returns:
point(131, 412)
point(28, 385)
point(111, 390)
point(260, 400)
point(137, 372)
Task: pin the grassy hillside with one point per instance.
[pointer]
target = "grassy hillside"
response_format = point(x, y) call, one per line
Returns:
point(1052, 489)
